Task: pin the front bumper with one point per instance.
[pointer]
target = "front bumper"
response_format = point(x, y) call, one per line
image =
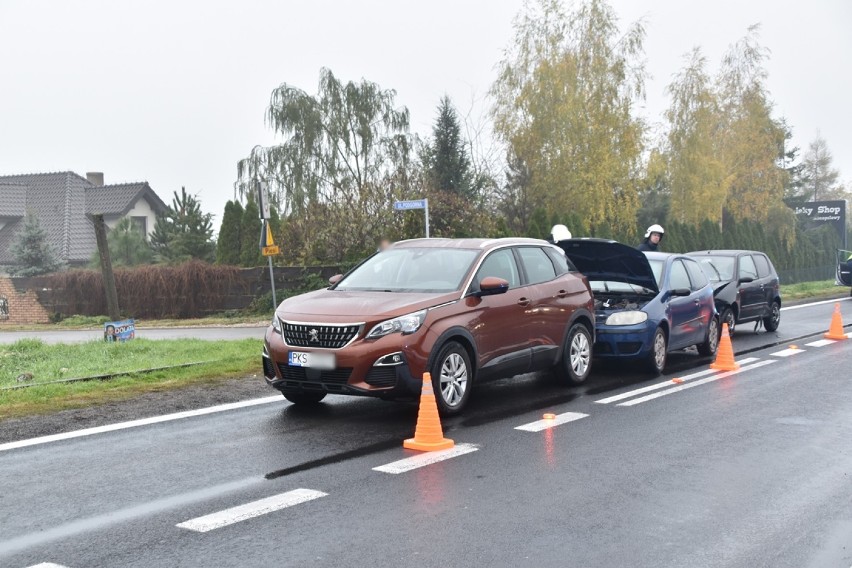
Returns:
point(623, 340)
point(355, 372)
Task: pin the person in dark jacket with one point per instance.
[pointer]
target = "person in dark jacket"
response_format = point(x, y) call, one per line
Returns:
point(653, 236)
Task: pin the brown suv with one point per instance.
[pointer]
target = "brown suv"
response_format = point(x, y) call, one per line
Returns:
point(465, 310)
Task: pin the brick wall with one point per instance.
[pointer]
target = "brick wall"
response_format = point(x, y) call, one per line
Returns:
point(17, 308)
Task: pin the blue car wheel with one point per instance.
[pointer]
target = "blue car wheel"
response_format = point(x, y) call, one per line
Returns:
point(659, 349)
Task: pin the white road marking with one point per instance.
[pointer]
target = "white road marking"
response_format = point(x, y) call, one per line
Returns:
point(427, 458)
point(696, 383)
point(664, 384)
point(47, 565)
point(787, 352)
point(821, 343)
point(251, 510)
point(799, 306)
point(544, 424)
point(136, 423)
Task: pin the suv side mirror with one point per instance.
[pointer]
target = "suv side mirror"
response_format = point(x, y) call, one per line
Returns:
point(335, 279)
point(492, 285)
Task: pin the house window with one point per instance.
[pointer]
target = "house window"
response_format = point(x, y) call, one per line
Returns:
point(141, 225)
point(4, 308)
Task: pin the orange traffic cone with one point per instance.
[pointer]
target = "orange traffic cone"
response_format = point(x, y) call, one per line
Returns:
point(428, 435)
point(835, 330)
point(725, 354)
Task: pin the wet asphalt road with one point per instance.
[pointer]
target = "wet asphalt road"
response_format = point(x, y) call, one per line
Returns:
point(752, 469)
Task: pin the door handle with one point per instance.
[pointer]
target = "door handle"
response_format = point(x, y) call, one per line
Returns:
point(524, 302)
point(561, 294)
point(696, 301)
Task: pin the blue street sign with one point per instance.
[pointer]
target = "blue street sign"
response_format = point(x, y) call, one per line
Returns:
point(412, 204)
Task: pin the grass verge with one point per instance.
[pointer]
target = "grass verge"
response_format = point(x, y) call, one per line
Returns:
point(220, 360)
point(815, 290)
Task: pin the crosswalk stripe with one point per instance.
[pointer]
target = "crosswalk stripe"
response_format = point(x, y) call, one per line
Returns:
point(820, 343)
point(250, 510)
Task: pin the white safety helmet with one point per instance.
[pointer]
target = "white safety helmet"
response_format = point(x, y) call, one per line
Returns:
point(655, 229)
point(560, 233)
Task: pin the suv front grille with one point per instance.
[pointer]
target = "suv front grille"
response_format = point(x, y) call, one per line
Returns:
point(325, 336)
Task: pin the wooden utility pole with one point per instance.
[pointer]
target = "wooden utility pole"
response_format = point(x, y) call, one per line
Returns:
point(106, 267)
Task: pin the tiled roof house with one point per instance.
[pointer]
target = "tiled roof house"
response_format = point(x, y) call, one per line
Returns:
point(64, 203)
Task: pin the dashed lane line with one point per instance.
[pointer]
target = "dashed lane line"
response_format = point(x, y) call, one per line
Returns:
point(251, 510)
point(820, 343)
point(789, 352)
point(425, 459)
point(47, 565)
point(665, 384)
point(546, 423)
point(696, 383)
point(135, 423)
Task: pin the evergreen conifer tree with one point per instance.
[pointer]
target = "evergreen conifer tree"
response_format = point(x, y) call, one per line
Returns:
point(32, 253)
point(250, 236)
point(184, 232)
point(230, 235)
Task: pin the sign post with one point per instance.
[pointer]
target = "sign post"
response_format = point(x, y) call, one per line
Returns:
point(267, 245)
point(415, 204)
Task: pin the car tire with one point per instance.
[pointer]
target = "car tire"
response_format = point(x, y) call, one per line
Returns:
point(728, 318)
point(772, 321)
point(576, 364)
point(711, 342)
point(303, 397)
point(452, 378)
point(659, 352)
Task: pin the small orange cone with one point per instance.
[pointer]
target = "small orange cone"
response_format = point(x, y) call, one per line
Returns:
point(835, 331)
point(725, 354)
point(428, 435)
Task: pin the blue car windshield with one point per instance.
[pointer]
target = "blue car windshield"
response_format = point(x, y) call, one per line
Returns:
point(657, 268)
point(434, 270)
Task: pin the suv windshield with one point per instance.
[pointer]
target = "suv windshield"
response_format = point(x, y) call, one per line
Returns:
point(433, 270)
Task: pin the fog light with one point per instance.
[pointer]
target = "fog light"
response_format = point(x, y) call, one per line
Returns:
point(390, 360)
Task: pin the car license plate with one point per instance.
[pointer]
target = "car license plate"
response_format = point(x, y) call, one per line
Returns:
point(312, 360)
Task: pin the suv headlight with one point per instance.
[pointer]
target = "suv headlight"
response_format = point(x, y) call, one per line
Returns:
point(406, 324)
point(276, 325)
point(626, 318)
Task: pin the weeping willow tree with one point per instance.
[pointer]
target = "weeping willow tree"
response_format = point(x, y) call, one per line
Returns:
point(343, 159)
point(564, 104)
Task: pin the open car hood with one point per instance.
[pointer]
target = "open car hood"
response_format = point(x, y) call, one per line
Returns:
point(604, 260)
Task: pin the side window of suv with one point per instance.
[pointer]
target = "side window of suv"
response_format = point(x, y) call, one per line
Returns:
point(537, 264)
point(696, 275)
point(762, 265)
point(500, 263)
point(678, 277)
point(747, 267)
point(560, 261)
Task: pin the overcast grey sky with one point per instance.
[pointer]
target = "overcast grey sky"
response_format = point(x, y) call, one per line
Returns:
point(174, 92)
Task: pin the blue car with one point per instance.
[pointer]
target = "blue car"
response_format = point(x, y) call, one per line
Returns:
point(646, 303)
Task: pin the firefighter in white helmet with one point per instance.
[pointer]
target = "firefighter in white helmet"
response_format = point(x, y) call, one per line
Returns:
point(653, 236)
point(559, 233)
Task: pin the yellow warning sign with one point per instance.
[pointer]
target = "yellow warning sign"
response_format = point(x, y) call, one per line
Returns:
point(271, 250)
point(269, 242)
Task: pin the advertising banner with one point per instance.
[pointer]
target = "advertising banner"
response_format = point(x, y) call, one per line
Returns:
point(119, 330)
point(816, 213)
